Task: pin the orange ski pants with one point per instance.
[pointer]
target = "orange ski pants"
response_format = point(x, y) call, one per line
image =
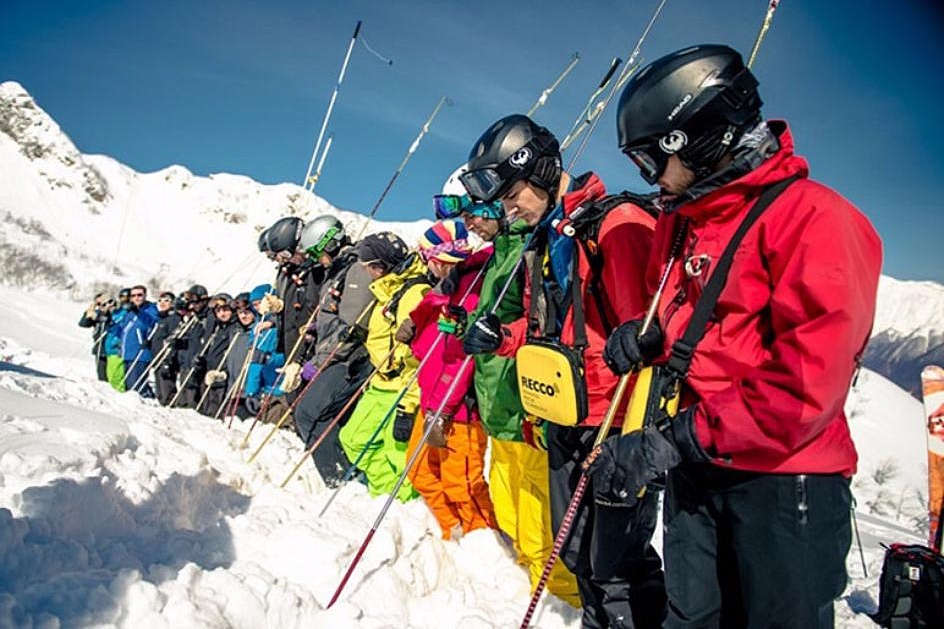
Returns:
point(452, 479)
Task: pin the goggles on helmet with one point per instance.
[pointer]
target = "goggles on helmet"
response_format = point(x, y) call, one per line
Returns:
point(448, 206)
point(650, 159)
point(487, 183)
point(319, 247)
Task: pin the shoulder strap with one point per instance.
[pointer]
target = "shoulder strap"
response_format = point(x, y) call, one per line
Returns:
point(408, 283)
point(684, 348)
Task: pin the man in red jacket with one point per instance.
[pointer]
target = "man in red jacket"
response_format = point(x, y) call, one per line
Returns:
point(579, 284)
point(757, 499)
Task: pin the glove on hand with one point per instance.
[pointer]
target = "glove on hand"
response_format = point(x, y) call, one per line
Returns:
point(440, 430)
point(403, 424)
point(270, 303)
point(252, 405)
point(290, 377)
point(406, 331)
point(621, 466)
point(213, 376)
point(625, 348)
point(309, 371)
point(484, 337)
point(454, 320)
point(199, 362)
point(534, 431)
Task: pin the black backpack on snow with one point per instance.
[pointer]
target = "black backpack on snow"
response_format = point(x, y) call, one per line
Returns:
point(911, 590)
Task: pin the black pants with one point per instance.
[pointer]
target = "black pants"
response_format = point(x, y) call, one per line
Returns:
point(101, 367)
point(619, 573)
point(165, 379)
point(214, 398)
point(754, 550)
point(321, 404)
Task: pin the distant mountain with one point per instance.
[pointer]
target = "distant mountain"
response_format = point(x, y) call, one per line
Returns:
point(73, 221)
point(908, 333)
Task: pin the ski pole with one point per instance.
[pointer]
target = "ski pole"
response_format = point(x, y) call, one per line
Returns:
point(590, 108)
point(327, 116)
point(222, 362)
point(321, 367)
point(423, 131)
point(324, 156)
point(567, 521)
point(431, 423)
point(190, 373)
point(764, 27)
point(628, 70)
point(542, 99)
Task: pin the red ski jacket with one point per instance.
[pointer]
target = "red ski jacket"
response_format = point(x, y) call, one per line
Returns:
point(625, 241)
point(773, 370)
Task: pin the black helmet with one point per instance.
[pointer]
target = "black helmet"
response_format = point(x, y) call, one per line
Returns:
point(198, 291)
point(512, 149)
point(283, 235)
point(696, 102)
point(262, 240)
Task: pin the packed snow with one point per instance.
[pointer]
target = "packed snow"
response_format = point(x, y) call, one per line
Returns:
point(118, 512)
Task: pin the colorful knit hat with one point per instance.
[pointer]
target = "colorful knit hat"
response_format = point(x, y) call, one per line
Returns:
point(446, 241)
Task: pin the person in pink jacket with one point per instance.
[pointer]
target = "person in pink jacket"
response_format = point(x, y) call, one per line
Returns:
point(449, 472)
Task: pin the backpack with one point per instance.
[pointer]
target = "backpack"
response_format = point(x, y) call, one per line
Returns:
point(911, 589)
point(583, 225)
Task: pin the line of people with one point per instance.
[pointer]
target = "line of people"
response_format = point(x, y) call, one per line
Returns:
point(740, 340)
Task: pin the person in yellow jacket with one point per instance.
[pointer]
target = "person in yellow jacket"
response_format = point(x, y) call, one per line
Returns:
point(400, 280)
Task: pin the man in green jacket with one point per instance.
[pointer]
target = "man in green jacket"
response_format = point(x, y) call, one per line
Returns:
point(518, 475)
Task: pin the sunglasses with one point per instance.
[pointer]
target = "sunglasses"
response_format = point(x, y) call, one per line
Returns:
point(137, 294)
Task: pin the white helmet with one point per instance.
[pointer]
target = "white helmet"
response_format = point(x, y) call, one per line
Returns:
point(324, 234)
point(453, 185)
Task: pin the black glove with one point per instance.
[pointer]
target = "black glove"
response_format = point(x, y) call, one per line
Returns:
point(484, 336)
point(403, 424)
point(625, 348)
point(621, 466)
point(253, 405)
point(199, 362)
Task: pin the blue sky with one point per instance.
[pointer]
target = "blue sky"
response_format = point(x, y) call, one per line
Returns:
point(241, 86)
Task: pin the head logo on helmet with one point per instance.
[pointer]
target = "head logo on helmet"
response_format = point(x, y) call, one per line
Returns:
point(521, 158)
point(674, 142)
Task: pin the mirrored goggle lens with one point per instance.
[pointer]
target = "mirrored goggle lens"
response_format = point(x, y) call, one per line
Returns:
point(482, 184)
point(446, 206)
point(649, 167)
point(491, 210)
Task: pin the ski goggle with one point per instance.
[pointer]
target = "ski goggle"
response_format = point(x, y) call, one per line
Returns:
point(650, 159)
point(319, 247)
point(447, 206)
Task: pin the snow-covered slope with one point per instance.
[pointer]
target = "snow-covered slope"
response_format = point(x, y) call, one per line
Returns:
point(72, 221)
point(117, 513)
